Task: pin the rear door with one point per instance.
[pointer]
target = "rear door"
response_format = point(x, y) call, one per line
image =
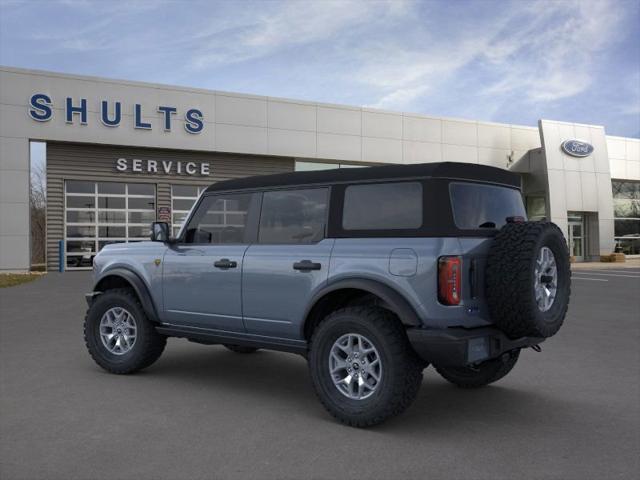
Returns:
point(289, 262)
point(202, 275)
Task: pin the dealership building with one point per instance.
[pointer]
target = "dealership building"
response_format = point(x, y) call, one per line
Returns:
point(120, 154)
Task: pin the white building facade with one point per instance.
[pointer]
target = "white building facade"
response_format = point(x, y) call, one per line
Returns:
point(121, 154)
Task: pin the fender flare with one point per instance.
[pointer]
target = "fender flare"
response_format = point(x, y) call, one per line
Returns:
point(397, 303)
point(138, 286)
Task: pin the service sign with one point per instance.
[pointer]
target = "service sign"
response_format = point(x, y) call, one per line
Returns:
point(162, 167)
point(577, 148)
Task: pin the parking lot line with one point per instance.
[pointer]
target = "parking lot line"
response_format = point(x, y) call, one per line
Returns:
point(586, 278)
point(607, 274)
point(625, 271)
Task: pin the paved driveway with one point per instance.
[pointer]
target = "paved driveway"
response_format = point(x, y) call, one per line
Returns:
point(571, 412)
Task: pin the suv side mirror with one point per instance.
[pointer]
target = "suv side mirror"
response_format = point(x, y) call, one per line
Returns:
point(159, 232)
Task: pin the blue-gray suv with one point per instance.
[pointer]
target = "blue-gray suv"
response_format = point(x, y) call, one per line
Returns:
point(372, 274)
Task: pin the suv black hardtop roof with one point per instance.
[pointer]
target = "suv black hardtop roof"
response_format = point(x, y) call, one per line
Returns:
point(451, 170)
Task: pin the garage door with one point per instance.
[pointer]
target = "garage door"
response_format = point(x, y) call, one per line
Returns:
point(99, 213)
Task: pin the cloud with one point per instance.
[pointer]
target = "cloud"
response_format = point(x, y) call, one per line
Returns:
point(285, 25)
point(541, 51)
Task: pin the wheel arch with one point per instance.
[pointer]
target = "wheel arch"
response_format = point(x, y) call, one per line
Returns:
point(122, 277)
point(344, 291)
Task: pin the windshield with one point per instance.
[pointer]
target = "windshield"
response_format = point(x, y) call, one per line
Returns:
point(478, 206)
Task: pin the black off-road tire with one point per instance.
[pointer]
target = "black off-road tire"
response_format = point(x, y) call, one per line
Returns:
point(510, 276)
point(402, 370)
point(148, 346)
point(480, 375)
point(240, 348)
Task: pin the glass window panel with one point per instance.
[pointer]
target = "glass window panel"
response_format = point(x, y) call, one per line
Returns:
point(183, 204)
point(536, 208)
point(576, 247)
point(235, 218)
point(80, 246)
point(111, 232)
point(111, 188)
point(208, 225)
point(112, 202)
point(142, 217)
point(179, 218)
point(138, 232)
point(79, 261)
point(142, 189)
point(397, 206)
point(74, 216)
point(629, 245)
point(626, 189)
point(102, 243)
point(112, 217)
point(627, 228)
point(76, 232)
point(75, 186)
point(576, 230)
point(184, 191)
point(625, 208)
point(142, 203)
point(293, 216)
point(81, 202)
point(484, 206)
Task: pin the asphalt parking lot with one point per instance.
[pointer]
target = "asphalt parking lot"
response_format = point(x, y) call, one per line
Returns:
point(570, 412)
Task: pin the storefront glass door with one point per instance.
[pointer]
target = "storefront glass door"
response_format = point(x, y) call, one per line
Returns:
point(576, 236)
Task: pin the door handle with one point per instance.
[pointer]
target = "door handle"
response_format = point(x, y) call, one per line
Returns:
point(305, 265)
point(225, 263)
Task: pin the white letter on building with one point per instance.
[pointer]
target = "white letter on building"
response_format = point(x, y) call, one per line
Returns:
point(152, 166)
point(136, 165)
point(204, 169)
point(190, 168)
point(121, 165)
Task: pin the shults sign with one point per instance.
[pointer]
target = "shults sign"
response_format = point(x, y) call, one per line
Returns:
point(41, 110)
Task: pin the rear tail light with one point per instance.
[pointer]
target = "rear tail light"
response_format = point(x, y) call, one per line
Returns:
point(449, 281)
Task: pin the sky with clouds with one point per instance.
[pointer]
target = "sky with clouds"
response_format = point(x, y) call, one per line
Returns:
point(503, 61)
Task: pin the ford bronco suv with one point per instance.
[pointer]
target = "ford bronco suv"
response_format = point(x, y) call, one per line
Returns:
point(372, 274)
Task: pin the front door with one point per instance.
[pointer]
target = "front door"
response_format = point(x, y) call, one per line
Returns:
point(576, 236)
point(289, 262)
point(202, 272)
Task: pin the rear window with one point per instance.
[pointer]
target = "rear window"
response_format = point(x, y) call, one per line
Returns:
point(383, 206)
point(477, 206)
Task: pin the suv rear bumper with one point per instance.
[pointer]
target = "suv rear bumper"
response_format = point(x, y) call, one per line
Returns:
point(457, 347)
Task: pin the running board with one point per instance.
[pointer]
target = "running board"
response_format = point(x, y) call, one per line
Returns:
point(213, 337)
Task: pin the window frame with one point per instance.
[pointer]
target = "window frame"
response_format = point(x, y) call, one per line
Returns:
point(251, 228)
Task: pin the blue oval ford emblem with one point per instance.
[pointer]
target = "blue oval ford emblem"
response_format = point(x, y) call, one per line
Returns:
point(577, 148)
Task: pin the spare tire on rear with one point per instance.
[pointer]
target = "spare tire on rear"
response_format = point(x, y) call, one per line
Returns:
point(528, 279)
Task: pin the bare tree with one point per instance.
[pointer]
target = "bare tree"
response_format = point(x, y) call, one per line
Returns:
point(37, 207)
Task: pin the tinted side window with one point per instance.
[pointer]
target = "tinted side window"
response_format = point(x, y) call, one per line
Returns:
point(484, 206)
point(219, 219)
point(293, 216)
point(383, 206)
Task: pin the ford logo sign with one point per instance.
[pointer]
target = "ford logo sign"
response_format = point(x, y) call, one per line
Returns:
point(577, 148)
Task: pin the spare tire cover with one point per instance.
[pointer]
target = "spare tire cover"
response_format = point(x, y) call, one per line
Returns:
point(528, 279)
